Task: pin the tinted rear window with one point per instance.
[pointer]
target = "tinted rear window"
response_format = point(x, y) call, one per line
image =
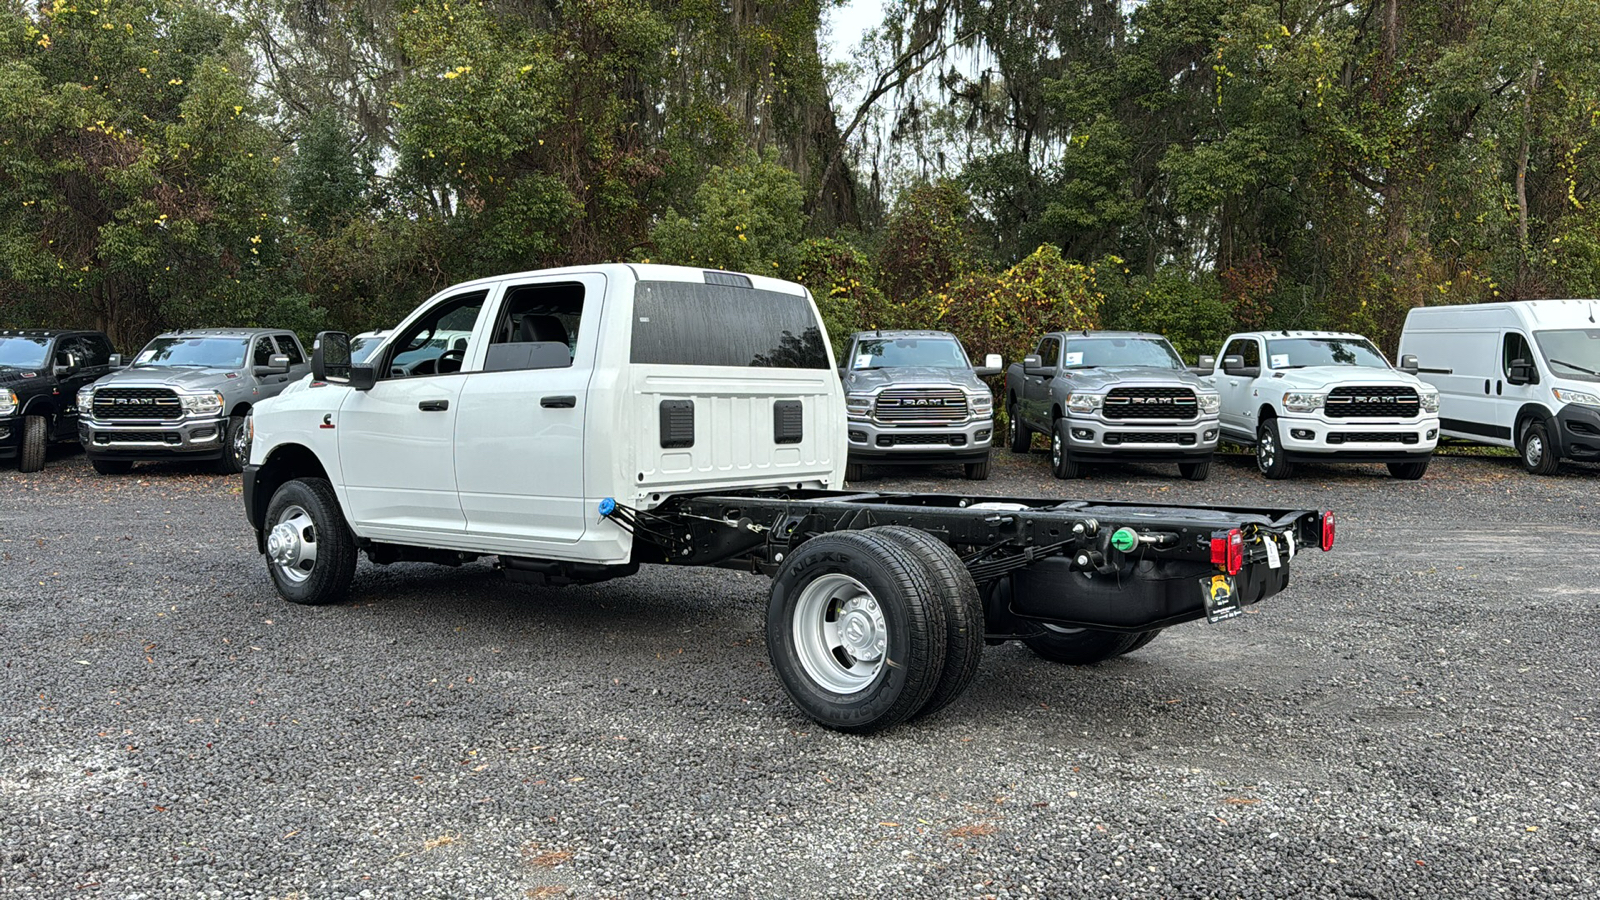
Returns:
point(678, 323)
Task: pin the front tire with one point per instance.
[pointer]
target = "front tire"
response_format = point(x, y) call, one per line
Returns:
point(1062, 465)
point(977, 471)
point(854, 472)
point(235, 447)
point(112, 466)
point(1538, 456)
point(35, 437)
point(1080, 646)
point(963, 612)
point(1195, 471)
point(1020, 438)
point(311, 553)
point(1408, 471)
point(1270, 456)
point(856, 631)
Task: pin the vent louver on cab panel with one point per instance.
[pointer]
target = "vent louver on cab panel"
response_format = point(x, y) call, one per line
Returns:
point(677, 423)
point(787, 421)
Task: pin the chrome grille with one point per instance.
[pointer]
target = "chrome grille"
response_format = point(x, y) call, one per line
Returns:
point(111, 403)
point(920, 405)
point(1151, 403)
point(1376, 402)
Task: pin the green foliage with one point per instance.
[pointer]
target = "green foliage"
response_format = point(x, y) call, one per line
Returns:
point(745, 217)
point(840, 278)
point(1191, 313)
point(327, 176)
point(928, 242)
point(1006, 312)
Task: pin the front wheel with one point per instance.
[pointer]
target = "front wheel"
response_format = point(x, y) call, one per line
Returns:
point(1408, 471)
point(856, 631)
point(1538, 456)
point(854, 472)
point(1019, 437)
point(977, 471)
point(311, 553)
point(1062, 465)
point(1195, 471)
point(235, 447)
point(1270, 456)
point(35, 436)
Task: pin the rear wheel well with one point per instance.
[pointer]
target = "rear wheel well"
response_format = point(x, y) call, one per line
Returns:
point(283, 465)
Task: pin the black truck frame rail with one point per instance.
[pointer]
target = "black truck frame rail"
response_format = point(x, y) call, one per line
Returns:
point(1062, 562)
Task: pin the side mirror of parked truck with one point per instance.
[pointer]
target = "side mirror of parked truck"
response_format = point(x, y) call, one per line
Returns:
point(1522, 372)
point(277, 364)
point(993, 365)
point(1409, 364)
point(1234, 365)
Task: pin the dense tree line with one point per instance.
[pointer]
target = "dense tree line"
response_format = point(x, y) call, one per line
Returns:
point(999, 166)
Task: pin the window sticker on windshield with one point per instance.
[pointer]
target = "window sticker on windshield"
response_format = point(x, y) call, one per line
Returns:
point(146, 356)
point(863, 360)
point(1074, 359)
point(1279, 360)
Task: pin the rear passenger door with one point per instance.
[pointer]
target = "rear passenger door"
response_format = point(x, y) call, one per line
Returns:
point(519, 437)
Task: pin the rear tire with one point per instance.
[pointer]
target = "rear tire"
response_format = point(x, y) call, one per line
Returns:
point(963, 612)
point(1270, 458)
point(235, 447)
point(1408, 471)
point(856, 631)
point(311, 553)
point(1021, 439)
point(854, 472)
point(35, 437)
point(1538, 456)
point(977, 471)
point(1195, 471)
point(112, 466)
point(1062, 465)
point(1080, 647)
point(1143, 638)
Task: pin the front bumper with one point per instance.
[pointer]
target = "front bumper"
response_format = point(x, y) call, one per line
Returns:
point(1319, 438)
point(1096, 437)
point(1578, 427)
point(10, 436)
point(891, 444)
point(197, 439)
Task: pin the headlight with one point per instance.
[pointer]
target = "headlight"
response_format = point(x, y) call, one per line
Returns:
point(1209, 403)
point(1566, 396)
point(86, 399)
point(1303, 401)
point(1430, 399)
point(209, 403)
point(8, 403)
point(858, 404)
point(1085, 402)
point(982, 403)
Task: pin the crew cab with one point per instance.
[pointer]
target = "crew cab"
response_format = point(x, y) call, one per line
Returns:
point(1111, 396)
point(603, 417)
point(1323, 396)
point(41, 371)
point(914, 397)
point(185, 397)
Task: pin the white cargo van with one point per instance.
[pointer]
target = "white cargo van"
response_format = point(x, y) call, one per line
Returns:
point(1523, 374)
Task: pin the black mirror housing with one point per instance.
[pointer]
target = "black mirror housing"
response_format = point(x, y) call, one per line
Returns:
point(1522, 372)
point(1409, 365)
point(330, 358)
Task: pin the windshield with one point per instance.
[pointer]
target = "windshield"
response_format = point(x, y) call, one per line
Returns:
point(889, 353)
point(1089, 354)
point(1298, 353)
point(362, 347)
point(1572, 353)
point(23, 352)
point(205, 353)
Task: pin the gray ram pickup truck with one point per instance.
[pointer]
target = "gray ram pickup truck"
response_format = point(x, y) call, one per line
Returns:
point(185, 397)
point(1112, 396)
point(914, 397)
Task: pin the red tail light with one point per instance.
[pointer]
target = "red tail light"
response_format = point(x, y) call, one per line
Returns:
point(1327, 531)
point(1228, 552)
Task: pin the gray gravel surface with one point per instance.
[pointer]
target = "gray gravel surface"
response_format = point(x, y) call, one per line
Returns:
point(1415, 717)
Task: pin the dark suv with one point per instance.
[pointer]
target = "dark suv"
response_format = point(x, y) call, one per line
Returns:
point(41, 371)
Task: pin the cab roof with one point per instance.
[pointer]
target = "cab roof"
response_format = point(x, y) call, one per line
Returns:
point(1091, 335)
point(643, 272)
point(42, 332)
point(1285, 333)
point(223, 332)
point(903, 333)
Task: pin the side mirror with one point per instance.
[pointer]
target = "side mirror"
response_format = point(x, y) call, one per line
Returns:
point(993, 361)
point(115, 361)
point(1207, 362)
point(1408, 364)
point(277, 364)
point(330, 357)
point(1522, 372)
point(1031, 361)
point(1234, 365)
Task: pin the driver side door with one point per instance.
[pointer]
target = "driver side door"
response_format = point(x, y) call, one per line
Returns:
point(397, 440)
point(1238, 405)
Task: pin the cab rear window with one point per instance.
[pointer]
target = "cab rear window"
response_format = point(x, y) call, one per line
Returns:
point(678, 323)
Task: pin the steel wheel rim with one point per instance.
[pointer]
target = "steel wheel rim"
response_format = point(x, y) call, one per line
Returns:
point(1266, 450)
point(1533, 451)
point(840, 634)
point(292, 544)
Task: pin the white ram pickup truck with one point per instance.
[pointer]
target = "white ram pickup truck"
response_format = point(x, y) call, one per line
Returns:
point(601, 417)
point(1323, 396)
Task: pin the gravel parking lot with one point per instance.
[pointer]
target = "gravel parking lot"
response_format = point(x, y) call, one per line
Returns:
point(1416, 716)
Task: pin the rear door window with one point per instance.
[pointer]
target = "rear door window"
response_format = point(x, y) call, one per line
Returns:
point(682, 323)
point(290, 347)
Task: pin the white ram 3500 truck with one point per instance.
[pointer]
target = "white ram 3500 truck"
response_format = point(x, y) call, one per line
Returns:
point(601, 417)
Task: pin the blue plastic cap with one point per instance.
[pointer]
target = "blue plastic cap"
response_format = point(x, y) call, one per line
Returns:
point(608, 506)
